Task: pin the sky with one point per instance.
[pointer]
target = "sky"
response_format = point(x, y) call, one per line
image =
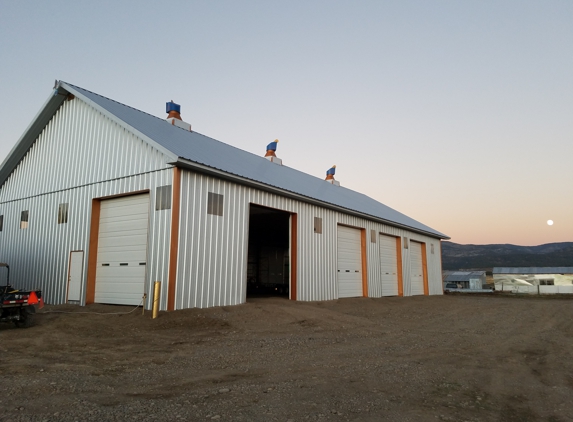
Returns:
point(458, 114)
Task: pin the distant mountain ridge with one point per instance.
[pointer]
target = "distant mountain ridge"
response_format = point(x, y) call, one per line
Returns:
point(485, 257)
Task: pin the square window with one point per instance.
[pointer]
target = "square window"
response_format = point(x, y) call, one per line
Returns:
point(318, 225)
point(163, 198)
point(63, 214)
point(215, 204)
point(24, 220)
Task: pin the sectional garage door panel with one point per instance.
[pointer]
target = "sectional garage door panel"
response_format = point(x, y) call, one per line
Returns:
point(388, 265)
point(416, 269)
point(349, 262)
point(122, 250)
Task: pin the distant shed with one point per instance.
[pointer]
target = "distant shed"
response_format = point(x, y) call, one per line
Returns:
point(466, 279)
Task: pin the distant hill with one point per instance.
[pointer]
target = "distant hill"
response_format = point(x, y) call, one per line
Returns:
point(485, 257)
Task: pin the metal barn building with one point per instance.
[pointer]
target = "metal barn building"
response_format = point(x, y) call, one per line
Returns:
point(467, 279)
point(98, 200)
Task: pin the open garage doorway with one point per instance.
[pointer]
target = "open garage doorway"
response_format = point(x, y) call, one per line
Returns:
point(269, 259)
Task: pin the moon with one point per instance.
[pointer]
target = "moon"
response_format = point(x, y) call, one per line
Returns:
point(549, 222)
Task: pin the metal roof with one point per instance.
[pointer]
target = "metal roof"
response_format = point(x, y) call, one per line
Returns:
point(464, 275)
point(533, 270)
point(194, 150)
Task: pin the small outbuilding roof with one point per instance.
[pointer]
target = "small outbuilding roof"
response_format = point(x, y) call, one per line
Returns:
point(464, 276)
point(200, 153)
point(533, 270)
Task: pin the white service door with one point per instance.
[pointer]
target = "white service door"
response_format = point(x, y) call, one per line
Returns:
point(389, 265)
point(416, 269)
point(349, 262)
point(122, 250)
point(76, 275)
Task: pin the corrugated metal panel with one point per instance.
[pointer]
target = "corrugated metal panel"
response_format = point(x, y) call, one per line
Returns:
point(78, 147)
point(218, 155)
point(82, 148)
point(533, 270)
point(213, 249)
point(38, 256)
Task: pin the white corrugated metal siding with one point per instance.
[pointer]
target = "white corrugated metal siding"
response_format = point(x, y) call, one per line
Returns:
point(212, 256)
point(80, 155)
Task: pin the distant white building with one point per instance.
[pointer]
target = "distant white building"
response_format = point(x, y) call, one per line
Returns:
point(534, 279)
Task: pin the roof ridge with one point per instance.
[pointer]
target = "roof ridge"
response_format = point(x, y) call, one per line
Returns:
point(163, 120)
point(114, 101)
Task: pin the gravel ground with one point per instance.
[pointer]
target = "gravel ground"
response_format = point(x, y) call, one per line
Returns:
point(444, 358)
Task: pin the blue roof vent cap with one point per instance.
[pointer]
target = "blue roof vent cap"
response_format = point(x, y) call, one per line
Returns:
point(171, 106)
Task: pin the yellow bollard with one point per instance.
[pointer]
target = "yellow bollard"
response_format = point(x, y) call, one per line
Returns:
point(156, 297)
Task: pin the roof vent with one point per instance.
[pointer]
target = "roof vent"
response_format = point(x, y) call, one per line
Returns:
point(270, 155)
point(174, 116)
point(330, 176)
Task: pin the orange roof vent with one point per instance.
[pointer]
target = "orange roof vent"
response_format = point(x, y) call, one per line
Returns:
point(330, 176)
point(174, 116)
point(270, 155)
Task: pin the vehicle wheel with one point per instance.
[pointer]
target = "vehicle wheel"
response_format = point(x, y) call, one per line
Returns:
point(26, 319)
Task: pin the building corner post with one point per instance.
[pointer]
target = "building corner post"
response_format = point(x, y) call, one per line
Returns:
point(174, 238)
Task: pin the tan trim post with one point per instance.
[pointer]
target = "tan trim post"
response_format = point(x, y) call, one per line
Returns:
point(425, 269)
point(399, 264)
point(92, 255)
point(293, 256)
point(174, 245)
point(364, 263)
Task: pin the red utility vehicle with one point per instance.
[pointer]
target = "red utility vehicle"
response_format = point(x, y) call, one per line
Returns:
point(17, 306)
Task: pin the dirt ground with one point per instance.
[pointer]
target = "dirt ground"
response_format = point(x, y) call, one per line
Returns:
point(453, 358)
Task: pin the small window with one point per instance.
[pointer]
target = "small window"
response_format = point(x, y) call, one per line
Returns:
point(215, 204)
point(405, 243)
point(373, 236)
point(432, 247)
point(318, 225)
point(163, 198)
point(1, 222)
point(24, 220)
point(63, 214)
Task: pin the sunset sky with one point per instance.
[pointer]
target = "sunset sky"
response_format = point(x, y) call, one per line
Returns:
point(456, 113)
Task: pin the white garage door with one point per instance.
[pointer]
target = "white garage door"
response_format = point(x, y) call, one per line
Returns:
point(389, 265)
point(122, 250)
point(416, 269)
point(349, 262)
